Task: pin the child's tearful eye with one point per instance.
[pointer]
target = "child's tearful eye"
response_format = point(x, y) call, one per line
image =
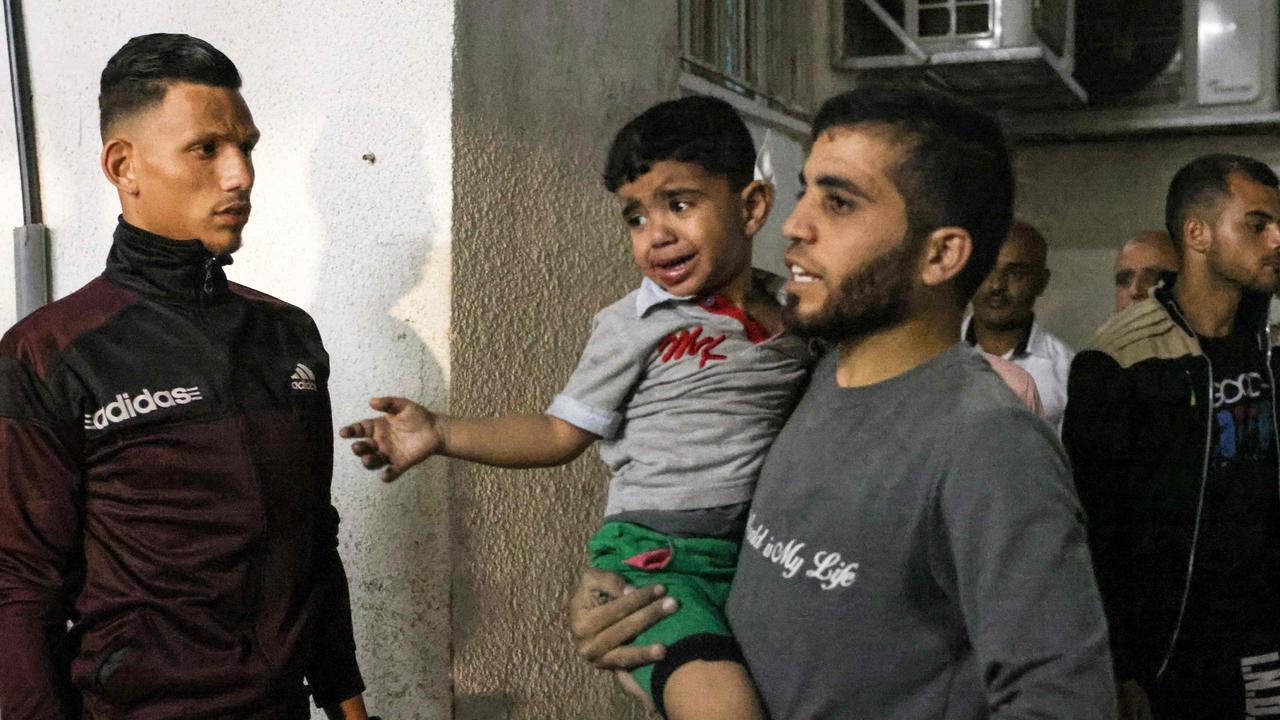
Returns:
point(635, 221)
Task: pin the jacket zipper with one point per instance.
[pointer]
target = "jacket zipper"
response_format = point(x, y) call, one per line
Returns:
point(206, 287)
point(248, 632)
point(1204, 476)
point(1275, 432)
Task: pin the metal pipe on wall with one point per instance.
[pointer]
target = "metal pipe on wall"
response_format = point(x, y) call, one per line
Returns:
point(31, 240)
point(30, 268)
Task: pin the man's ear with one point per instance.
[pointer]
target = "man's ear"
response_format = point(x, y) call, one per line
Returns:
point(757, 201)
point(118, 158)
point(1196, 235)
point(946, 252)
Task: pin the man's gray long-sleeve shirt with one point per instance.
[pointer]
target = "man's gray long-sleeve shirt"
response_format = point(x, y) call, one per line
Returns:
point(916, 551)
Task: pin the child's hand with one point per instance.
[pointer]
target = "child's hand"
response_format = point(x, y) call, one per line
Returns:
point(405, 435)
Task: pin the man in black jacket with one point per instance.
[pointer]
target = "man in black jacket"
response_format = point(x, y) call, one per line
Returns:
point(1171, 428)
point(166, 446)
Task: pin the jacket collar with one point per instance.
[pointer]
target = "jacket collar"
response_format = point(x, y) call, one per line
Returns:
point(1251, 315)
point(158, 267)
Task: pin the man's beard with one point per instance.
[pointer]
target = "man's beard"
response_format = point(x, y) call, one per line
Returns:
point(1006, 324)
point(875, 298)
point(1227, 270)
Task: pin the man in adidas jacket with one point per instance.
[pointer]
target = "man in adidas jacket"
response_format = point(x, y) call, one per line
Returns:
point(1171, 429)
point(167, 544)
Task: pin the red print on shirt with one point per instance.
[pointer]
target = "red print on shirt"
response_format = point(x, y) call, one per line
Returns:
point(690, 343)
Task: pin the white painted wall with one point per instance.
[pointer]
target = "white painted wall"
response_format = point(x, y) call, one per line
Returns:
point(10, 196)
point(365, 247)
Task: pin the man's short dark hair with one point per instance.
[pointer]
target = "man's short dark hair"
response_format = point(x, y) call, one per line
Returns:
point(138, 75)
point(1205, 181)
point(701, 130)
point(955, 168)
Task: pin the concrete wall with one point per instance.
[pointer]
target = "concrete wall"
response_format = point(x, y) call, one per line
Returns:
point(365, 247)
point(541, 86)
point(1088, 197)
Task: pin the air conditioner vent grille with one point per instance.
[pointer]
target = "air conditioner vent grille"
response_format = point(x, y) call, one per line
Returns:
point(1121, 47)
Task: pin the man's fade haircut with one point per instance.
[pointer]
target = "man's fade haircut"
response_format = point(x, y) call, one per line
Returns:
point(704, 131)
point(954, 170)
point(1204, 182)
point(139, 74)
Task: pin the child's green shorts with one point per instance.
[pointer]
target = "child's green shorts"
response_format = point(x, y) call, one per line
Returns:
point(696, 571)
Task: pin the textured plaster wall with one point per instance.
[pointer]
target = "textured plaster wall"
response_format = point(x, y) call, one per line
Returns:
point(1088, 197)
point(365, 247)
point(541, 86)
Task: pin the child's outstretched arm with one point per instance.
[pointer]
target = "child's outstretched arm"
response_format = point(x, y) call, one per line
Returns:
point(407, 433)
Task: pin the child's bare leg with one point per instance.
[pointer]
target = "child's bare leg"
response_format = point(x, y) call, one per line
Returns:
point(711, 690)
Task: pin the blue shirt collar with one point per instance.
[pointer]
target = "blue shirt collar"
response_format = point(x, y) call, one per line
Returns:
point(651, 295)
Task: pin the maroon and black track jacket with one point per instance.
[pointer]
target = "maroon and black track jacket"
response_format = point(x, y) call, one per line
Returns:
point(165, 461)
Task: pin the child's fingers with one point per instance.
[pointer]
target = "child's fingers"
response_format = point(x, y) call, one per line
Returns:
point(374, 460)
point(360, 429)
point(389, 405)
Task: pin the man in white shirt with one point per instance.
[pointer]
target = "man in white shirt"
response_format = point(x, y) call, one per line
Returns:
point(1003, 322)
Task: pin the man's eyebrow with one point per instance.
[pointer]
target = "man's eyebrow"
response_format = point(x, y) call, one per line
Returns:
point(204, 136)
point(840, 183)
point(1261, 214)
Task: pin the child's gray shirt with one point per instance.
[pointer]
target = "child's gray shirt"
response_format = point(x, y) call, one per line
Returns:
point(686, 395)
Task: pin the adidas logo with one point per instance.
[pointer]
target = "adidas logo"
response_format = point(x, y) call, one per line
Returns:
point(126, 407)
point(302, 378)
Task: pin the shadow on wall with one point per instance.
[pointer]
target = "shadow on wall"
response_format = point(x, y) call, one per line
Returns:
point(374, 304)
point(538, 249)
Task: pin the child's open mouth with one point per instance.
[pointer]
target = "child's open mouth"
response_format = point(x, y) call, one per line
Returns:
point(674, 271)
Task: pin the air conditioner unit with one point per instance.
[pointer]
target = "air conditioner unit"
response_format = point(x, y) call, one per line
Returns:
point(1220, 76)
point(1143, 65)
point(1014, 52)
